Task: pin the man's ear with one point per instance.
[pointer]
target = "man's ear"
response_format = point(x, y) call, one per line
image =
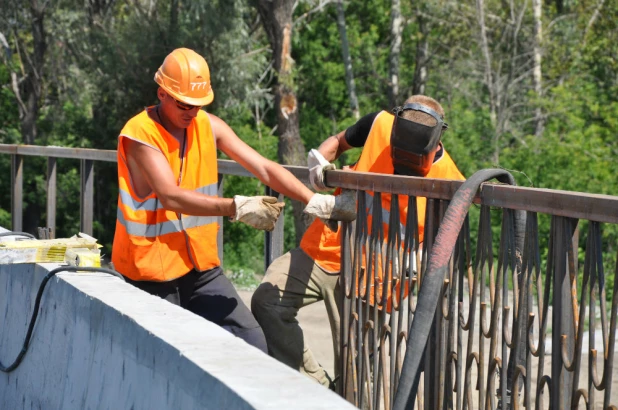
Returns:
point(161, 94)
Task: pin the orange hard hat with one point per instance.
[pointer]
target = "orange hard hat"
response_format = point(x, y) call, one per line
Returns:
point(185, 76)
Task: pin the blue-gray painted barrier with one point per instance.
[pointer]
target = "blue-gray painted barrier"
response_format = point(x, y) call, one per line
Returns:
point(100, 343)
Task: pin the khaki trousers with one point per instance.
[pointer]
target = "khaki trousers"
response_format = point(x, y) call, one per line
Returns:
point(291, 282)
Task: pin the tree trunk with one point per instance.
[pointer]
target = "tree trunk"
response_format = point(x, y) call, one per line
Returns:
point(97, 9)
point(559, 6)
point(488, 77)
point(173, 22)
point(347, 61)
point(395, 51)
point(593, 18)
point(27, 86)
point(539, 120)
point(29, 92)
point(276, 16)
point(422, 49)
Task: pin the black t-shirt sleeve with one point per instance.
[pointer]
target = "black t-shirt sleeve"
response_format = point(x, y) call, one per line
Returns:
point(357, 134)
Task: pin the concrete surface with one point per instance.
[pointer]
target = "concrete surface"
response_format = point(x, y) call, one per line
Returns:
point(100, 343)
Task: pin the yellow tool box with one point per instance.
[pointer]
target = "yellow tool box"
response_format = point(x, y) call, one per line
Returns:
point(82, 248)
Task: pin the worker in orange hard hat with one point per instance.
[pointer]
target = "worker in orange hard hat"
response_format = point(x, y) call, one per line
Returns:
point(166, 230)
point(404, 142)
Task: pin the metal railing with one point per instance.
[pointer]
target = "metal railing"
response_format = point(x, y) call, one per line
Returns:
point(495, 322)
point(507, 332)
point(273, 246)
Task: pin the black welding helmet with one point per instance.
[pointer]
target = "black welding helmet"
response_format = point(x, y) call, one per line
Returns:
point(414, 145)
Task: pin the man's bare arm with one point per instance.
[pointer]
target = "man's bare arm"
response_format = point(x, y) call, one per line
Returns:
point(154, 168)
point(334, 146)
point(267, 171)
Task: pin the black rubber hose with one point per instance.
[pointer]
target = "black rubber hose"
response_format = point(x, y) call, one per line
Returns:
point(37, 303)
point(429, 294)
point(25, 234)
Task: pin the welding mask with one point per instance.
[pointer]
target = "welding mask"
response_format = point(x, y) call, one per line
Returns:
point(414, 145)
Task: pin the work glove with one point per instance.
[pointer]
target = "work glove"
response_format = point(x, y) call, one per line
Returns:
point(260, 212)
point(317, 164)
point(330, 208)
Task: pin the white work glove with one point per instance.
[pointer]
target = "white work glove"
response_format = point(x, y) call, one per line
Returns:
point(260, 212)
point(317, 164)
point(330, 208)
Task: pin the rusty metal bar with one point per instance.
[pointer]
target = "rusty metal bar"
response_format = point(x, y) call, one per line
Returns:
point(60, 152)
point(273, 241)
point(9, 149)
point(17, 192)
point(51, 195)
point(561, 323)
point(594, 207)
point(87, 195)
point(228, 167)
point(221, 177)
point(610, 351)
point(344, 330)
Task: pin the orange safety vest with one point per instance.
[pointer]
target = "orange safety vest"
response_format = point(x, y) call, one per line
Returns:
point(324, 245)
point(155, 244)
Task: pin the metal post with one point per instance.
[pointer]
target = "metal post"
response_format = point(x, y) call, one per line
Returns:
point(51, 196)
point(220, 220)
point(87, 195)
point(430, 393)
point(344, 386)
point(17, 194)
point(562, 315)
point(273, 241)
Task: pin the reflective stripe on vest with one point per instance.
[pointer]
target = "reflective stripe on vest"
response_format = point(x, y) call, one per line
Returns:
point(153, 204)
point(164, 228)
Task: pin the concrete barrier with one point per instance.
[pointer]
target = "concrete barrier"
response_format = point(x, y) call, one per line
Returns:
point(100, 343)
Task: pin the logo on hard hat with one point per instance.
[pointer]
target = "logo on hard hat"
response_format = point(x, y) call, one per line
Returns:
point(199, 86)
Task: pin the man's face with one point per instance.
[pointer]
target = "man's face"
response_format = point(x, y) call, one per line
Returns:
point(177, 112)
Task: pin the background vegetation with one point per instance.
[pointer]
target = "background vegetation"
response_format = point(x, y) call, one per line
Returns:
point(529, 86)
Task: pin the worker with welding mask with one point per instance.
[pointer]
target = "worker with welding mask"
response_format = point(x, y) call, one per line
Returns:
point(166, 231)
point(405, 142)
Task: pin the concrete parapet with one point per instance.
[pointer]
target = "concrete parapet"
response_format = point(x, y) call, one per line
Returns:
point(100, 343)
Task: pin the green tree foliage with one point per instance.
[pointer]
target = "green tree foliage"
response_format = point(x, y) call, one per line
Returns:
point(101, 57)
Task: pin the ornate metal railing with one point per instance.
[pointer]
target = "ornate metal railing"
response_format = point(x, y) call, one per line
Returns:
point(508, 330)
